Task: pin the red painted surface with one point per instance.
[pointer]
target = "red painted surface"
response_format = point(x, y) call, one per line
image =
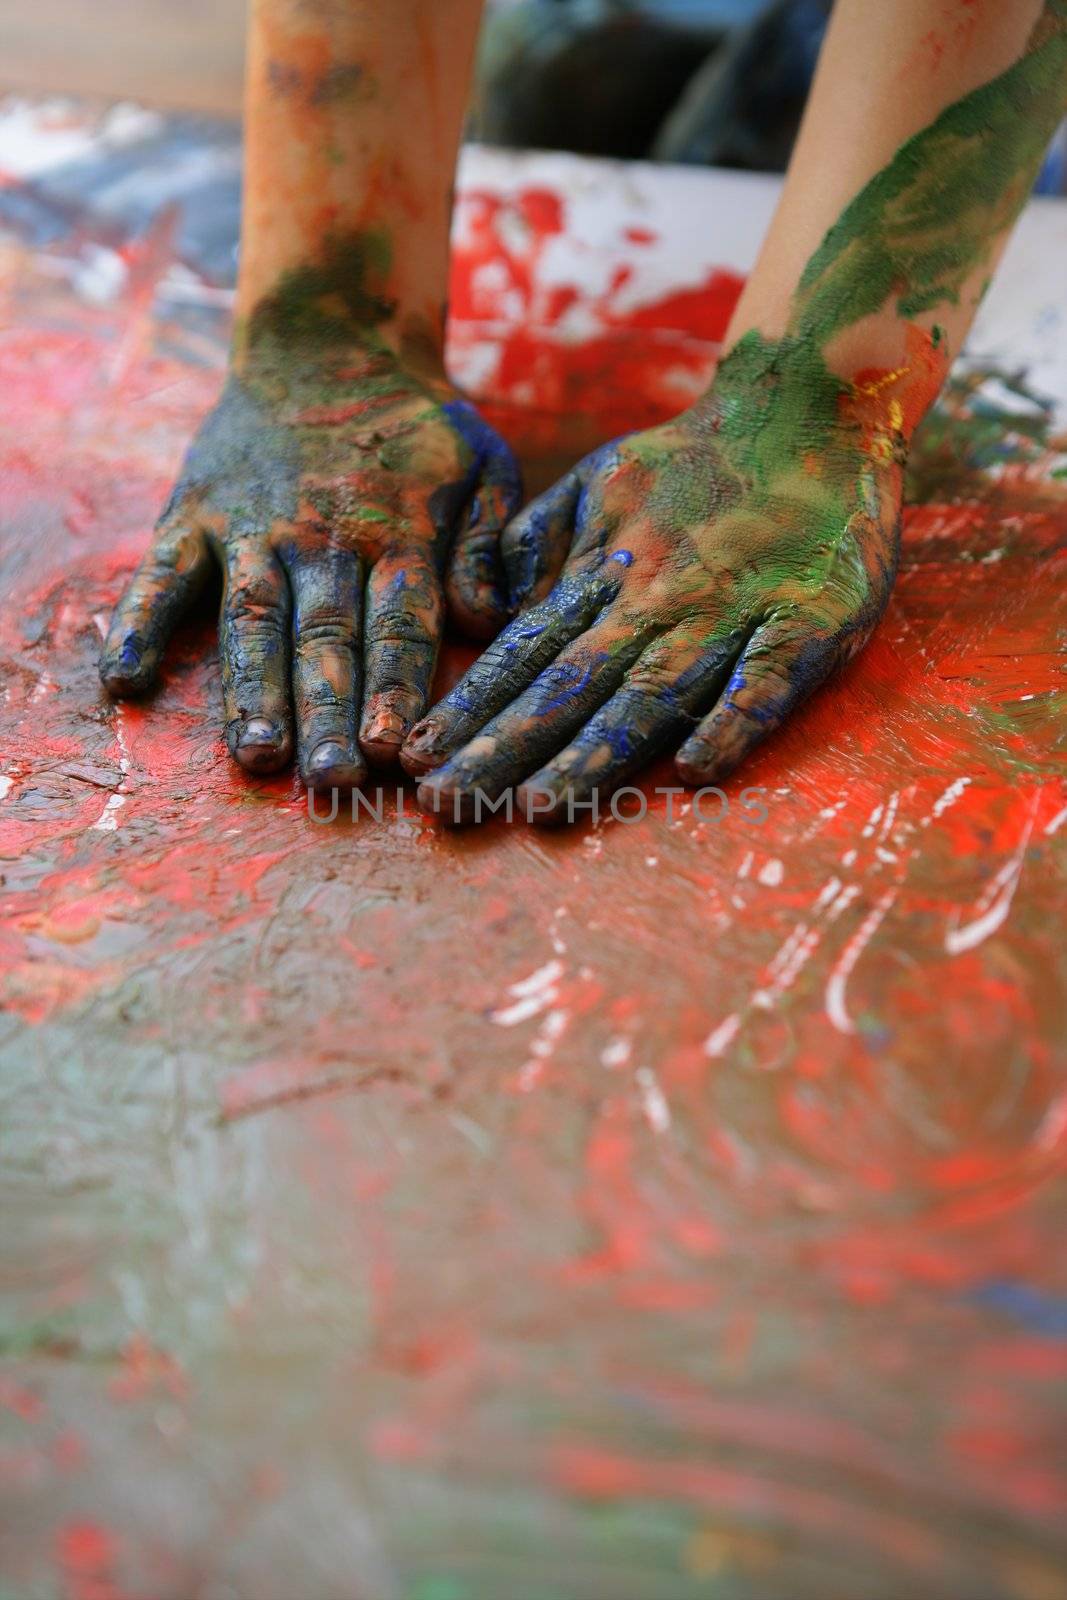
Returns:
point(648, 1211)
point(607, 363)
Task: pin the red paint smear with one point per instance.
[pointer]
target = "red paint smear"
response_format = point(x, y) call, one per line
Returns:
point(22, 1402)
point(604, 1475)
point(967, 1205)
point(147, 1370)
point(642, 364)
point(87, 1554)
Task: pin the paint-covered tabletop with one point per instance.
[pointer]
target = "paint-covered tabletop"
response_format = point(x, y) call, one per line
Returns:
point(668, 1207)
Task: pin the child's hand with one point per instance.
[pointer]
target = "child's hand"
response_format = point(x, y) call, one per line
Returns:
point(337, 491)
point(711, 573)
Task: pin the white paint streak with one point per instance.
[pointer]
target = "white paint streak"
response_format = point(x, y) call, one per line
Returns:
point(836, 1009)
point(994, 903)
point(719, 1039)
point(532, 995)
point(521, 1011)
point(538, 981)
point(616, 1053)
point(108, 821)
point(653, 1100)
point(1056, 824)
point(1053, 1129)
point(890, 813)
point(548, 1035)
point(950, 796)
point(801, 944)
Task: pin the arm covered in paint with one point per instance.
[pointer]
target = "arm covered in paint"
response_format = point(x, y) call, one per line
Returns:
point(340, 484)
point(695, 582)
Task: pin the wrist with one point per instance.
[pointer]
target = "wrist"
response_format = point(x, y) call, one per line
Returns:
point(874, 388)
point(337, 305)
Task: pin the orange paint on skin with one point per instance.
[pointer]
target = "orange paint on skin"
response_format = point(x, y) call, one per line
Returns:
point(894, 401)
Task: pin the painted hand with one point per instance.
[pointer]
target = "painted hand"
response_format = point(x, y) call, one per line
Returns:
point(693, 582)
point(343, 499)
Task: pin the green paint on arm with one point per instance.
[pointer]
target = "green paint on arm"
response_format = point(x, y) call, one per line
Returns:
point(330, 300)
point(927, 221)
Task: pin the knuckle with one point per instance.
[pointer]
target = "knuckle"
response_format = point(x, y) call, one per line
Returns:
point(254, 651)
point(399, 690)
point(398, 629)
point(256, 598)
point(767, 679)
point(650, 682)
point(325, 705)
point(325, 630)
point(172, 551)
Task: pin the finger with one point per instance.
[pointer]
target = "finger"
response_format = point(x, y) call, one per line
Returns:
point(509, 665)
point(784, 661)
point(666, 688)
point(164, 586)
point(404, 615)
point(254, 645)
point(327, 618)
point(535, 543)
point(562, 697)
point(474, 582)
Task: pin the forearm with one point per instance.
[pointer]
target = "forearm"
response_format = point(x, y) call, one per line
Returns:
point(924, 132)
point(353, 114)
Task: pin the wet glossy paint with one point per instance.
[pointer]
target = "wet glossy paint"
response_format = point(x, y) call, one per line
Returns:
point(659, 1210)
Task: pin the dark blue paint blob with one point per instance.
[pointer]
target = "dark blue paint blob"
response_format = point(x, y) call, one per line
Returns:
point(483, 440)
point(622, 741)
point(1041, 1313)
point(568, 679)
point(625, 558)
point(459, 702)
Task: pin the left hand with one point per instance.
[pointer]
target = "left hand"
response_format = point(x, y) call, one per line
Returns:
point(698, 580)
point(344, 498)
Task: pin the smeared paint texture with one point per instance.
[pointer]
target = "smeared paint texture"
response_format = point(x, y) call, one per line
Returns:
point(920, 229)
point(674, 1210)
point(761, 528)
point(334, 486)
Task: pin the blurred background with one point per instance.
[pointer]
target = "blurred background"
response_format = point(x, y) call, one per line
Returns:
point(718, 82)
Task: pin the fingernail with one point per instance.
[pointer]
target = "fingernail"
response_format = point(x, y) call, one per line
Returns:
point(129, 657)
point(694, 766)
point(422, 734)
point(327, 756)
point(260, 745)
point(115, 676)
point(333, 765)
point(416, 753)
point(122, 669)
point(256, 731)
point(385, 728)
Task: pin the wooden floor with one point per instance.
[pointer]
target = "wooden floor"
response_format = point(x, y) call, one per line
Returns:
point(656, 1211)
